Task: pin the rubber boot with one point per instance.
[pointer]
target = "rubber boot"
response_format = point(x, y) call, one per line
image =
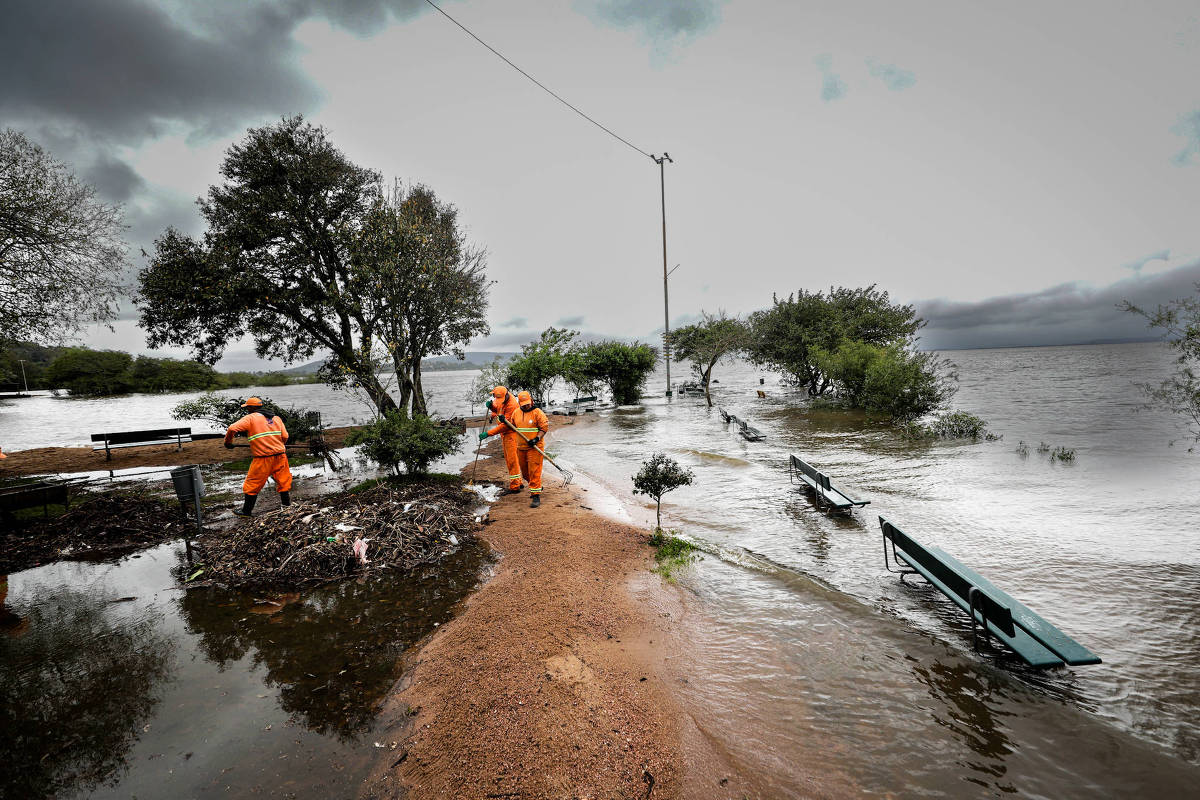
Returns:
point(507, 491)
point(285, 499)
point(536, 501)
point(247, 506)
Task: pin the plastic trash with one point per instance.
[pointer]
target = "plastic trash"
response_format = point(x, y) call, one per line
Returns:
point(453, 539)
point(360, 551)
point(344, 528)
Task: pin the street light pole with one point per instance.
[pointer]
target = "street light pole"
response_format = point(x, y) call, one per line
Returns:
point(662, 184)
point(23, 378)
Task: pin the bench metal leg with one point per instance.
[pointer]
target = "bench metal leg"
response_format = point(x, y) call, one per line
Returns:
point(975, 601)
point(895, 557)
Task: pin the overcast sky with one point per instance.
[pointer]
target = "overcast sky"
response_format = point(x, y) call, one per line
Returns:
point(1013, 169)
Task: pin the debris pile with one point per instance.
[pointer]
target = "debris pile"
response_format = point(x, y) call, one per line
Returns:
point(336, 536)
point(96, 523)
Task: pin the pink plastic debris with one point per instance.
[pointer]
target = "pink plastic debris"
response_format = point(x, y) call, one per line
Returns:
point(360, 551)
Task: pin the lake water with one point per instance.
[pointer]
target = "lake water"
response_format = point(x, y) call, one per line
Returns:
point(812, 650)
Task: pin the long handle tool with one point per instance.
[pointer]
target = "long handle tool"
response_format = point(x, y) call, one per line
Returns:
point(567, 475)
point(471, 482)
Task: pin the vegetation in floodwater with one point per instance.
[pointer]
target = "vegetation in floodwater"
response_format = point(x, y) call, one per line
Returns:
point(659, 475)
point(1066, 454)
point(951, 425)
point(1043, 447)
point(1022, 449)
point(671, 553)
point(395, 439)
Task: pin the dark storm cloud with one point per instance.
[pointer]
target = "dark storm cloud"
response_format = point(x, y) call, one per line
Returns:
point(892, 76)
point(125, 70)
point(664, 20)
point(115, 180)
point(570, 322)
point(1066, 314)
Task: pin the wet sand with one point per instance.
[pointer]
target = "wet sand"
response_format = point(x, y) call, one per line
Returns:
point(51, 460)
point(547, 684)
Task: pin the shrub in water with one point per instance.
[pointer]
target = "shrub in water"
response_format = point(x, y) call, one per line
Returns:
point(659, 475)
point(1063, 454)
point(671, 552)
point(395, 439)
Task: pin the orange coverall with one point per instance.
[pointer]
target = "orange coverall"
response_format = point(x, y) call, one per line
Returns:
point(269, 457)
point(531, 423)
point(508, 439)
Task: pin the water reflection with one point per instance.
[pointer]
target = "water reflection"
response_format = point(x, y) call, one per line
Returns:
point(76, 688)
point(335, 651)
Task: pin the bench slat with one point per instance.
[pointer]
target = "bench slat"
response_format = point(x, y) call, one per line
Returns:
point(1060, 643)
point(121, 437)
point(1021, 643)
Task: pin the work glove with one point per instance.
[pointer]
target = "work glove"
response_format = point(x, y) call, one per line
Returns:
point(483, 435)
point(488, 404)
point(535, 441)
point(229, 445)
point(501, 419)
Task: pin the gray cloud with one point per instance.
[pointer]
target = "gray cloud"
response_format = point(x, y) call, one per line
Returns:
point(515, 322)
point(660, 21)
point(892, 76)
point(570, 322)
point(832, 86)
point(1189, 128)
point(114, 180)
point(1069, 313)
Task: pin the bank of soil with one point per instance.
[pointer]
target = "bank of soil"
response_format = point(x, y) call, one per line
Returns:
point(50, 460)
point(545, 685)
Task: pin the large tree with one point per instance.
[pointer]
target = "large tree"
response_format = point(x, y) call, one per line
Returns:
point(787, 336)
point(421, 284)
point(274, 262)
point(715, 337)
point(61, 252)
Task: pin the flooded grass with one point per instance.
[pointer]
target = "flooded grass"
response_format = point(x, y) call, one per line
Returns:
point(671, 553)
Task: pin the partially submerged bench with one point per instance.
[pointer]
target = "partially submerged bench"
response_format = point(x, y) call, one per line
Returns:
point(32, 495)
point(822, 487)
point(747, 430)
point(991, 610)
point(113, 441)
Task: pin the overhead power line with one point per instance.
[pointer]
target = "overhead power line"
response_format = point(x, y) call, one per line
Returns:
point(540, 85)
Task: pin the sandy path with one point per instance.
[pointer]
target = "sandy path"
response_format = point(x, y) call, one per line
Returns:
point(530, 691)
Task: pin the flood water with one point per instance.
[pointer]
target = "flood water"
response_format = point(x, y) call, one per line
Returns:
point(116, 683)
point(817, 661)
point(808, 643)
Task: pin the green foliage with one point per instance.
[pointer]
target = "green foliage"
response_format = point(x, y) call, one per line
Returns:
point(91, 372)
point(786, 336)
point(706, 343)
point(395, 439)
point(172, 375)
point(1063, 454)
point(36, 359)
point(890, 380)
point(61, 250)
point(954, 425)
point(658, 476)
point(552, 356)
point(275, 379)
point(622, 367)
point(275, 260)
point(671, 553)
point(421, 284)
point(1179, 393)
point(223, 411)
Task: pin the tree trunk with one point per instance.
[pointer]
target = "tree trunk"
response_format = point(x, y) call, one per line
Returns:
point(418, 398)
point(707, 381)
point(378, 394)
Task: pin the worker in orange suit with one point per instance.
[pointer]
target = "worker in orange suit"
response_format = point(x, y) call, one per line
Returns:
point(268, 437)
point(532, 426)
point(502, 406)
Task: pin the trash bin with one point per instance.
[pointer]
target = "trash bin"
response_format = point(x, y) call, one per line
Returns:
point(188, 483)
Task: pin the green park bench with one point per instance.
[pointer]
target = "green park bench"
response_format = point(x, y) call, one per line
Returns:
point(822, 488)
point(992, 611)
point(32, 495)
point(113, 441)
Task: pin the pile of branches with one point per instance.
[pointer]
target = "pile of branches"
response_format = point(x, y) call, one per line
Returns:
point(96, 523)
point(392, 526)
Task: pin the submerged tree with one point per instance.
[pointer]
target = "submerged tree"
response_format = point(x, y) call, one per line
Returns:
point(422, 286)
point(542, 362)
point(274, 262)
point(786, 336)
point(659, 475)
point(1179, 321)
point(61, 252)
point(706, 343)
